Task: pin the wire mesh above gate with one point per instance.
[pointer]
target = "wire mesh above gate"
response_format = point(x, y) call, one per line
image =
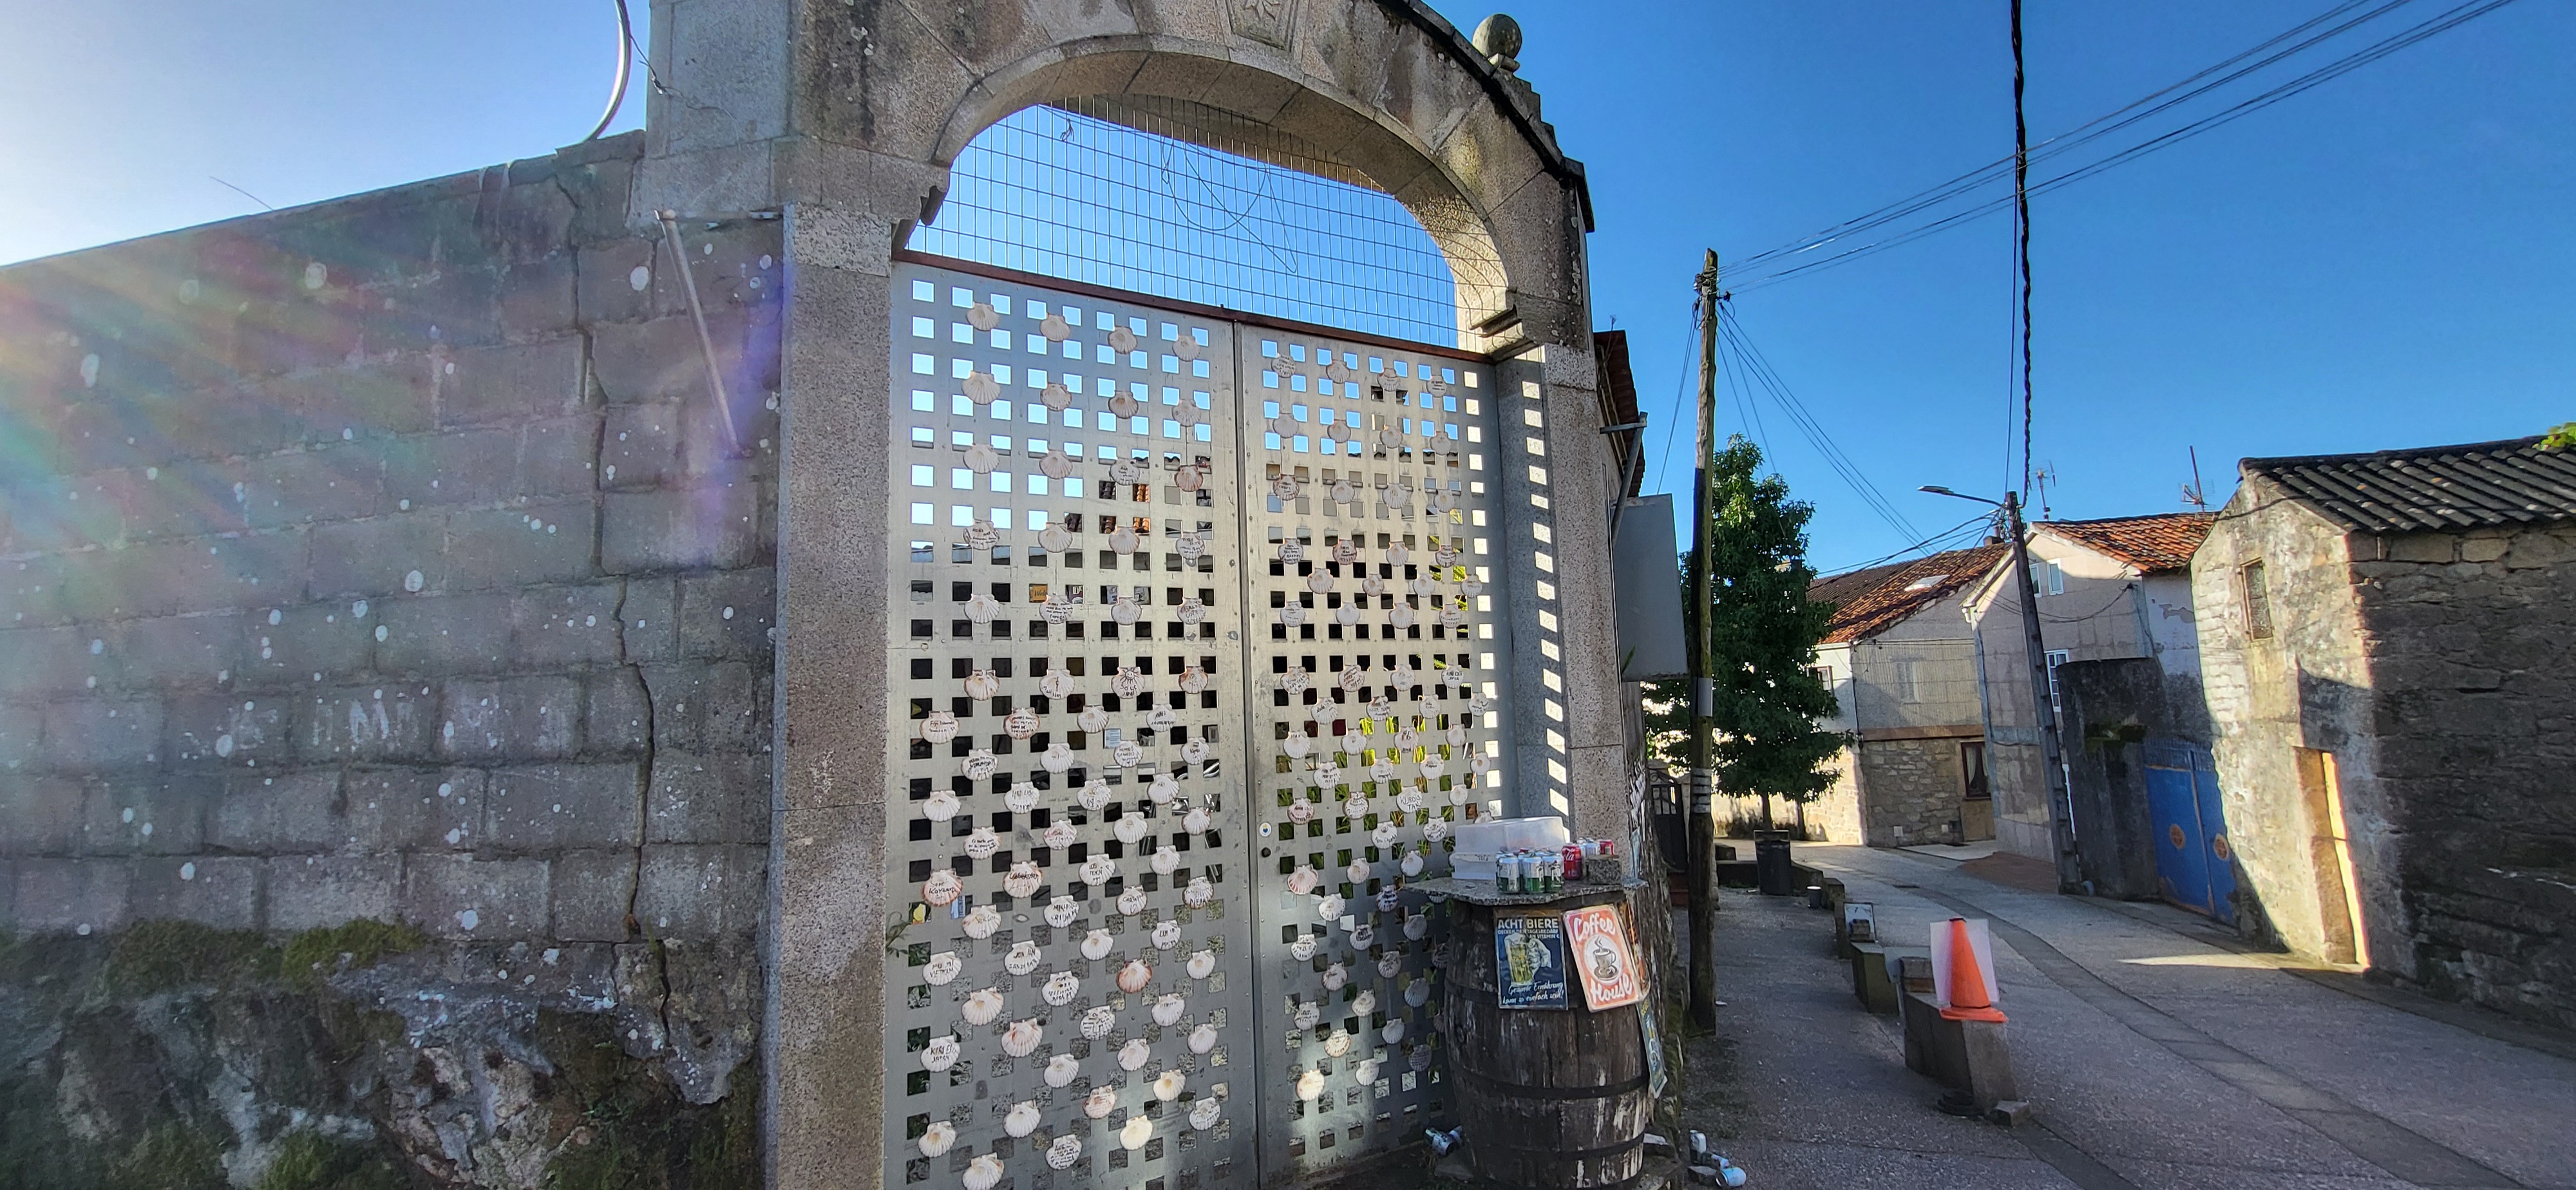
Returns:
point(1259, 223)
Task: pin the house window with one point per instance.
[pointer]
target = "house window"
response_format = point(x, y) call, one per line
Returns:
point(2047, 578)
point(1823, 674)
point(1972, 769)
point(1908, 689)
point(2258, 600)
point(2056, 705)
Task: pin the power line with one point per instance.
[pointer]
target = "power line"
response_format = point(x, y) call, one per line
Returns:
point(1978, 522)
point(1766, 378)
point(1994, 171)
point(2450, 19)
point(2021, 220)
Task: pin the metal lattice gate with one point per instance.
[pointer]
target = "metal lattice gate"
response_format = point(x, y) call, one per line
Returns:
point(1152, 552)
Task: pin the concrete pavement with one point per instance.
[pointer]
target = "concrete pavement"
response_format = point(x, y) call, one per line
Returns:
point(2158, 1056)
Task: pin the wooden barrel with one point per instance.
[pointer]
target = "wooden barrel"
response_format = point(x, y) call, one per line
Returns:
point(1547, 1098)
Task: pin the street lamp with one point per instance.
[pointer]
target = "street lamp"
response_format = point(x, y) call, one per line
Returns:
point(2052, 756)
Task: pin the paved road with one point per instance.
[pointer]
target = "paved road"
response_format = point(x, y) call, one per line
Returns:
point(2158, 1057)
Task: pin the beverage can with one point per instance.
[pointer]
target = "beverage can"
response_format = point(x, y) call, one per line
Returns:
point(1573, 861)
point(1506, 880)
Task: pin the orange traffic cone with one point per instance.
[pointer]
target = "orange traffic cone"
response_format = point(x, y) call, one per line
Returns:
point(1969, 1000)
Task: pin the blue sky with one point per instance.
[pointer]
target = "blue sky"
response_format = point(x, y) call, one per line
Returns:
point(2384, 261)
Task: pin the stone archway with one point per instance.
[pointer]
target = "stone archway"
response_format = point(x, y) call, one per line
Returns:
point(843, 116)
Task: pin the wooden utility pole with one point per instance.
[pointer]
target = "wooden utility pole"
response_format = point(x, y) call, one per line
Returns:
point(2052, 753)
point(1703, 778)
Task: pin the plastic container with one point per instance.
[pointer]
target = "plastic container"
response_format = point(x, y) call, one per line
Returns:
point(1471, 865)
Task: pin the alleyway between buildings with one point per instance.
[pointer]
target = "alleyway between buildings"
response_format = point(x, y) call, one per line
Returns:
point(2157, 1054)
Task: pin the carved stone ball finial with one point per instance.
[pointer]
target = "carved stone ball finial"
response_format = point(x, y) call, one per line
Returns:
point(1499, 40)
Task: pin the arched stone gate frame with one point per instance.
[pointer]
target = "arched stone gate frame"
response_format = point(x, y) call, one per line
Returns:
point(843, 114)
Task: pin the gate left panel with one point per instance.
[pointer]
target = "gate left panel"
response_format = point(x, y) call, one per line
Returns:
point(1068, 993)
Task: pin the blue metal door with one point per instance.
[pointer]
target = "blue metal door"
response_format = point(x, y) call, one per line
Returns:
point(2190, 829)
point(2213, 836)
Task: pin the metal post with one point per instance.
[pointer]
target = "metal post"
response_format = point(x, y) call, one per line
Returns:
point(2051, 755)
point(1703, 777)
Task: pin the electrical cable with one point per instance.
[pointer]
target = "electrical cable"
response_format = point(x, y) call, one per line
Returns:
point(1980, 519)
point(1681, 391)
point(1760, 369)
point(1995, 170)
point(2445, 22)
point(625, 70)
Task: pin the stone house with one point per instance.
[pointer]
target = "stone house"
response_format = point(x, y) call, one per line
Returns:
point(2111, 589)
point(1901, 660)
point(2386, 651)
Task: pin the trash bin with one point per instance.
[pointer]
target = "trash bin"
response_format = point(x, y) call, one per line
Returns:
point(1771, 870)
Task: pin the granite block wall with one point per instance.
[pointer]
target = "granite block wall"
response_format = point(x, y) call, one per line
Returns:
point(377, 570)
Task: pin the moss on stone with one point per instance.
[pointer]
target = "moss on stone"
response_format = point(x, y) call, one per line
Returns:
point(171, 1156)
point(307, 1161)
point(635, 1132)
point(160, 956)
point(314, 955)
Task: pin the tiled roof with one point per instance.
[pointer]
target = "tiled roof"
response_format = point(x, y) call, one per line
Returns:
point(1868, 608)
point(2150, 543)
point(2436, 488)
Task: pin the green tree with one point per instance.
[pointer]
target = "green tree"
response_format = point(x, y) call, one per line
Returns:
point(1766, 695)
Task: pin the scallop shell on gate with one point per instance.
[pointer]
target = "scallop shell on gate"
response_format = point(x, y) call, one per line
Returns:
point(1022, 959)
point(1164, 788)
point(1093, 795)
point(939, 728)
point(1303, 948)
point(1417, 926)
point(1304, 880)
point(1389, 964)
point(1341, 492)
point(1383, 770)
point(1346, 551)
point(982, 921)
point(1057, 758)
point(1409, 801)
point(1337, 1044)
point(1418, 993)
point(1022, 797)
point(1202, 1039)
point(1060, 989)
point(938, 1138)
point(983, 842)
point(982, 1008)
point(1022, 1038)
point(1023, 880)
point(1433, 766)
point(1384, 835)
point(1122, 339)
point(1061, 911)
point(1126, 611)
point(1055, 328)
point(1055, 539)
point(1102, 1101)
point(1123, 540)
point(1195, 751)
point(1283, 487)
point(1355, 806)
point(1205, 1113)
point(982, 684)
point(1057, 683)
point(982, 536)
point(1166, 935)
point(1310, 1084)
point(1091, 719)
point(981, 459)
point(1194, 680)
point(1387, 899)
point(1411, 864)
point(1135, 1133)
point(1097, 870)
point(1129, 828)
point(1327, 774)
point(1134, 1054)
point(1063, 1151)
point(1372, 586)
point(941, 1053)
point(1190, 478)
point(942, 968)
point(1357, 872)
point(1292, 614)
point(1438, 828)
point(982, 389)
point(1201, 964)
point(1168, 1085)
point(1168, 1008)
point(1131, 902)
point(1135, 976)
point(1348, 613)
point(1058, 835)
point(1307, 1015)
point(1124, 405)
point(1129, 681)
point(1164, 861)
point(1097, 1022)
point(1292, 552)
point(1393, 1032)
point(1097, 944)
point(1328, 907)
point(1200, 892)
point(1319, 582)
point(1021, 1120)
point(1127, 754)
point(1192, 611)
point(1336, 977)
point(1363, 935)
point(1196, 821)
point(1300, 810)
point(1298, 742)
point(942, 887)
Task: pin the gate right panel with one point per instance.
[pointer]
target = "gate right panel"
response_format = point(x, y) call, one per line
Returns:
point(1370, 511)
